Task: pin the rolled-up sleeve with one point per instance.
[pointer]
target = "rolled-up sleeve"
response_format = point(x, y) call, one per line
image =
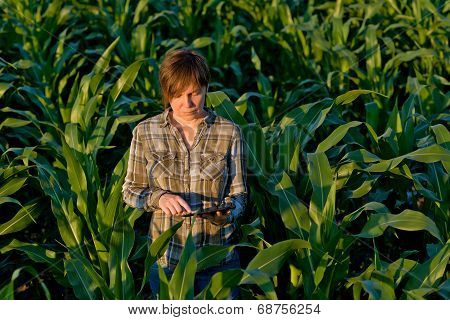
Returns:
point(238, 190)
point(136, 191)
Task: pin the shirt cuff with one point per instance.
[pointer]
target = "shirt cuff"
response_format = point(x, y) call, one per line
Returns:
point(153, 199)
point(237, 212)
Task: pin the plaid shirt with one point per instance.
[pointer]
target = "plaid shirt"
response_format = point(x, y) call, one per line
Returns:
point(203, 175)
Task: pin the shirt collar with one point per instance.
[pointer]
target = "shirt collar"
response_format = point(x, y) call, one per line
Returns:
point(209, 119)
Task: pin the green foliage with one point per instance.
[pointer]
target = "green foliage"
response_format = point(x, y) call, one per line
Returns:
point(344, 108)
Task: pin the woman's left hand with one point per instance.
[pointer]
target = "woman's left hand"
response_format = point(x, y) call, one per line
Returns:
point(218, 218)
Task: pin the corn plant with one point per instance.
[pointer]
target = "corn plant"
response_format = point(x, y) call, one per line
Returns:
point(344, 106)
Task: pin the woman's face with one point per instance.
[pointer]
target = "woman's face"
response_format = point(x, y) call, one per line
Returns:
point(190, 103)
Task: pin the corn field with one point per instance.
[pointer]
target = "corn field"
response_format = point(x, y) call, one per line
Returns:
point(344, 106)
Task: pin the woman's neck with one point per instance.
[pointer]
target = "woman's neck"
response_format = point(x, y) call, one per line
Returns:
point(187, 122)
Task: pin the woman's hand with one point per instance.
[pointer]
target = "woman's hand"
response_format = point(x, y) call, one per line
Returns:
point(173, 204)
point(219, 218)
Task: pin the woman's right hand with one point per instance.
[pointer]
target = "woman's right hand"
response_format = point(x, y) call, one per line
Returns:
point(173, 204)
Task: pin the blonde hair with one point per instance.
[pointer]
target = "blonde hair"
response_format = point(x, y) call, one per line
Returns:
point(179, 69)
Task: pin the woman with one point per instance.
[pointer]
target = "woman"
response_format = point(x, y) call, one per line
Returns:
point(184, 159)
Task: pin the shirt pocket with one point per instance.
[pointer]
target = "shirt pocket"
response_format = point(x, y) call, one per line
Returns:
point(213, 165)
point(163, 164)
